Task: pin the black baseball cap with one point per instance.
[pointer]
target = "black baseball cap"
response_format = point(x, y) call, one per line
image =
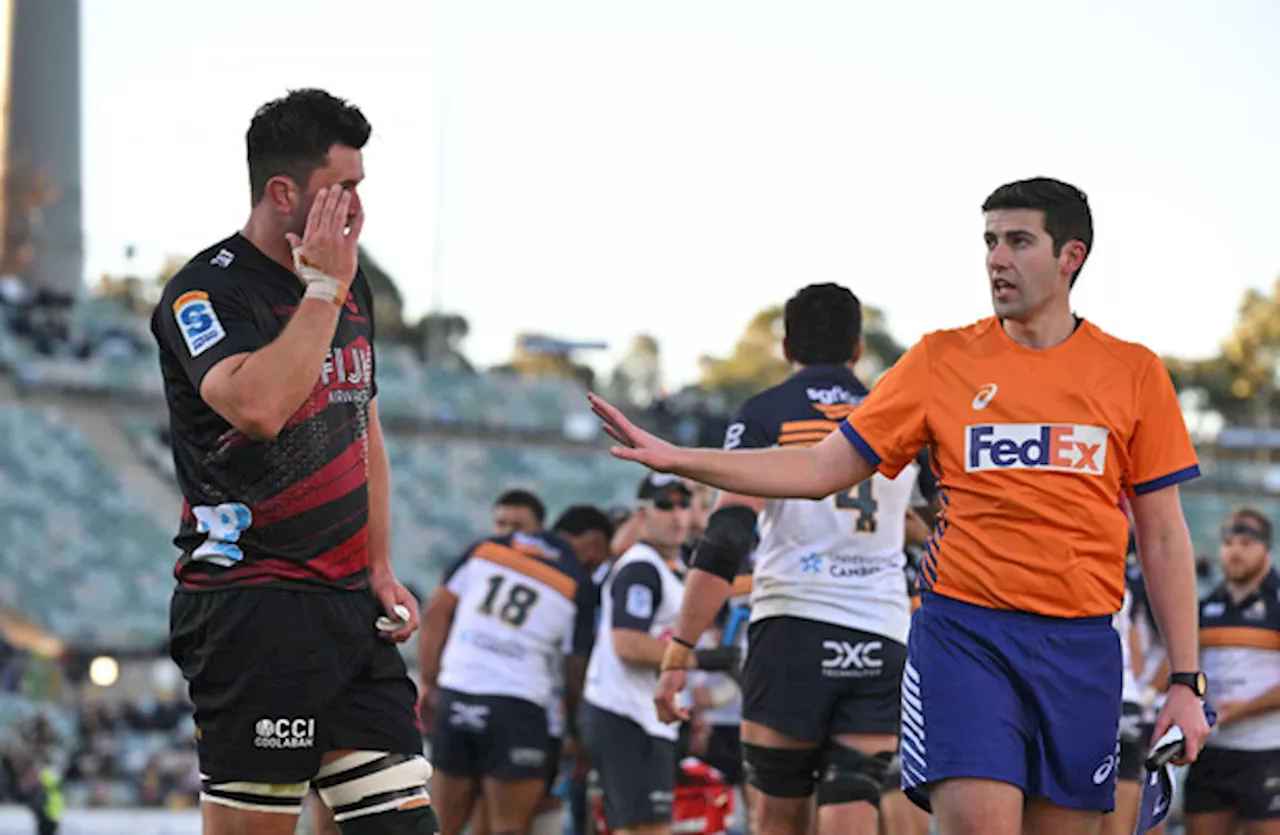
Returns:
point(657, 486)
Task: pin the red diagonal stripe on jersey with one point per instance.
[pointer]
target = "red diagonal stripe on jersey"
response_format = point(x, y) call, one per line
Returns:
point(316, 403)
point(347, 558)
point(335, 479)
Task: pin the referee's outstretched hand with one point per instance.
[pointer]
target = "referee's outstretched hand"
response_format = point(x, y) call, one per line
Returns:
point(325, 243)
point(634, 444)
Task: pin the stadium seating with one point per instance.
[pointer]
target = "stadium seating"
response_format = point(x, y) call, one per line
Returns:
point(407, 388)
point(81, 559)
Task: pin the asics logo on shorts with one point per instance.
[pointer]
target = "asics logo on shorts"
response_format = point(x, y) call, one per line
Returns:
point(1103, 771)
point(851, 660)
point(1059, 447)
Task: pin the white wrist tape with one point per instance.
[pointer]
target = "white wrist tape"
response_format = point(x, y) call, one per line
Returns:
point(326, 288)
point(320, 285)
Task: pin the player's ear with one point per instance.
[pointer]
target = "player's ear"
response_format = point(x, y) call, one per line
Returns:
point(283, 194)
point(858, 348)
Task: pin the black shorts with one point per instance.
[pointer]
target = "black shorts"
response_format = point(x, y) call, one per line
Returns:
point(278, 677)
point(499, 737)
point(1246, 781)
point(1135, 740)
point(812, 680)
point(637, 771)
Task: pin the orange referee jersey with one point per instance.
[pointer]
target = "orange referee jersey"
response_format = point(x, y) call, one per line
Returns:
point(1032, 449)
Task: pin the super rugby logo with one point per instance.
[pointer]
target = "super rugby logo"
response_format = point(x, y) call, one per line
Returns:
point(197, 322)
point(1059, 447)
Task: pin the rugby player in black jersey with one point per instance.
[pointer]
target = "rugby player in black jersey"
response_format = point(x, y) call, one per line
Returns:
point(287, 612)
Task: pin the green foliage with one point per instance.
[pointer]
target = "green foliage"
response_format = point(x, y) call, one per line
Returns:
point(1244, 368)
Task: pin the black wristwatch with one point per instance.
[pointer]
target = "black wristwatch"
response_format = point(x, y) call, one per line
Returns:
point(1196, 681)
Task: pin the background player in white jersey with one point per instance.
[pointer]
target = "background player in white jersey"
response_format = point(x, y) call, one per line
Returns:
point(633, 752)
point(1235, 784)
point(829, 609)
point(513, 608)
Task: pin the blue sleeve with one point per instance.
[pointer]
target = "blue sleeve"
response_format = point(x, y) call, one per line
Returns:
point(746, 431)
point(637, 594)
point(584, 619)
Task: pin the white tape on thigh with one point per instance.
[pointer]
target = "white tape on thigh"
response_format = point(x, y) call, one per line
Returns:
point(402, 783)
point(275, 798)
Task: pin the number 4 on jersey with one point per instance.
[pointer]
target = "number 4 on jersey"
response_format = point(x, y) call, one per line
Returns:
point(861, 499)
point(520, 599)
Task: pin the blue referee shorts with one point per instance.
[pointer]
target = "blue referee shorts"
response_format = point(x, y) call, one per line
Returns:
point(1010, 696)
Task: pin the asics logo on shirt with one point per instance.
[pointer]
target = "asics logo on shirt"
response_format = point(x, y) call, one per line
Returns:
point(984, 396)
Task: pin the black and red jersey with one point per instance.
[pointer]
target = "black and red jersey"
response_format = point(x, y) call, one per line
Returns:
point(292, 511)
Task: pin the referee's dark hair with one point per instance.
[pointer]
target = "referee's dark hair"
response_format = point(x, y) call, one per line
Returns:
point(1066, 211)
point(823, 325)
point(523, 498)
point(291, 136)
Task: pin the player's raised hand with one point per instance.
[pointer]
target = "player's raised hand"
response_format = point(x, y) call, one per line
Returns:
point(634, 444)
point(326, 245)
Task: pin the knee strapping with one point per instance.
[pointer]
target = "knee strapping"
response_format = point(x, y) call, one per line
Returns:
point(280, 798)
point(417, 821)
point(364, 784)
point(850, 776)
point(781, 772)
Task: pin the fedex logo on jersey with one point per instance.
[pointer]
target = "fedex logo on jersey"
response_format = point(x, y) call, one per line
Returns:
point(1059, 447)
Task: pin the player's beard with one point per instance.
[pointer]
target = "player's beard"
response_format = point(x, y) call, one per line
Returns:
point(1247, 575)
point(297, 221)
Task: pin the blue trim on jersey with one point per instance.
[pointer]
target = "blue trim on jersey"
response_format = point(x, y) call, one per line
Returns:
point(859, 443)
point(1167, 481)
